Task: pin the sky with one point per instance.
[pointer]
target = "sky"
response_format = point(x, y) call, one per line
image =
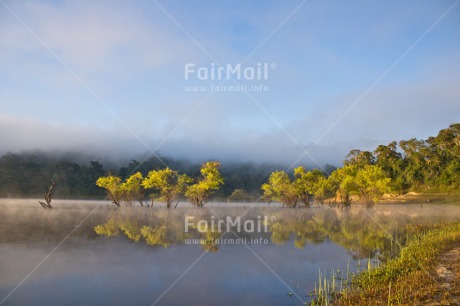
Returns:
point(128, 78)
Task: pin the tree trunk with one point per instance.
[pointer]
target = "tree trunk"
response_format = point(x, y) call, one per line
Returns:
point(47, 197)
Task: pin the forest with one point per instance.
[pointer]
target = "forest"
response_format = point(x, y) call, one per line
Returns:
point(430, 165)
point(426, 166)
point(28, 174)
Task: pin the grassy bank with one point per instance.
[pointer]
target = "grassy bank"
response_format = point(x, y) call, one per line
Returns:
point(412, 278)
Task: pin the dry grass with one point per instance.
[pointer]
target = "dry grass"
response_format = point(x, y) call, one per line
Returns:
point(422, 198)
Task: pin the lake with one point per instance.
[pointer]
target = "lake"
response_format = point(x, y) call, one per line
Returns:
point(92, 253)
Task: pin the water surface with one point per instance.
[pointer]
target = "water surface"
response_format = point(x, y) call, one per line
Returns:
point(91, 253)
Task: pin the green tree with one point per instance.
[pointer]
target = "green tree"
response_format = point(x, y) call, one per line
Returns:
point(323, 189)
point(342, 180)
point(280, 188)
point(211, 180)
point(359, 158)
point(444, 158)
point(370, 184)
point(448, 140)
point(167, 184)
point(391, 162)
point(132, 190)
point(415, 162)
point(306, 183)
point(112, 185)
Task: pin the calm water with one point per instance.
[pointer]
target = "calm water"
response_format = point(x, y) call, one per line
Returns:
point(90, 253)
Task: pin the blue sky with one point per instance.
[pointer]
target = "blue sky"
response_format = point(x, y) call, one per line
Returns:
point(107, 77)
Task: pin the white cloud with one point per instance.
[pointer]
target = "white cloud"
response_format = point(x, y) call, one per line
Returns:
point(132, 56)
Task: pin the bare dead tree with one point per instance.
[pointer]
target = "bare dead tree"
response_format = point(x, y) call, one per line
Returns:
point(47, 197)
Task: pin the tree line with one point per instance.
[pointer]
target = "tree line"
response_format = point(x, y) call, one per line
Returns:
point(28, 174)
point(431, 165)
point(369, 183)
point(166, 186)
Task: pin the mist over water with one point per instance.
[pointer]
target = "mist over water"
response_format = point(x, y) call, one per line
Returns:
point(120, 256)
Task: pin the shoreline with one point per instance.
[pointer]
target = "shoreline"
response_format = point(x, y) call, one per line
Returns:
point(421, 198)
point(408, 198)
point(426, 271)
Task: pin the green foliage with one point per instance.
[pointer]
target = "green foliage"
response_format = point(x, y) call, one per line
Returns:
point(359, 158)
point(309, 183)
point(210, 181)
point(431, 165)
point(406, 274)
point(371, 183)
point(28, 175)
point(112, 185)
point(298, 191)
point(211, 175)
point(168, 184)
point(419, 165)
point(128, 191)
point(75, 175)
point(423, 165)
point(280, 188)
point(323, 189)
point(368, 182)
point(132, 190)
point(391, 162)
point(415, 160)
point(342, 180)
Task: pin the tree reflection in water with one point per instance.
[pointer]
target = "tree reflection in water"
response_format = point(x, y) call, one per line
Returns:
point(160, 228)
point(364, 233)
